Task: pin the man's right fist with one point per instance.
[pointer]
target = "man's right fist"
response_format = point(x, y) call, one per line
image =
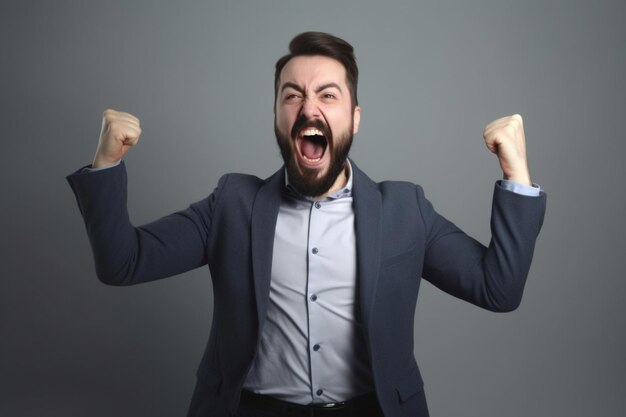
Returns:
point(119, 132)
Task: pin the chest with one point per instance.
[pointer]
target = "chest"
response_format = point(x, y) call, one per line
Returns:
point(315, 246)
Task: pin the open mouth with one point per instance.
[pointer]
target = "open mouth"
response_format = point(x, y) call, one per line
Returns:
point(311, 144)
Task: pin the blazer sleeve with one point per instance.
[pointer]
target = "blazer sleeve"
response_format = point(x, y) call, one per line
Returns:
point(491, 277)
point(126, 255)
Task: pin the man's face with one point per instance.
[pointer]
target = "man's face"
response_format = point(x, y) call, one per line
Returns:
point(314, 122)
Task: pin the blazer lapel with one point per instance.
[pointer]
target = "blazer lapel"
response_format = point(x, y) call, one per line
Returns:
point(263, 226)
point(367, 218)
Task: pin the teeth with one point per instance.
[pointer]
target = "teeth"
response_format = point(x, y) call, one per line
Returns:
point(312, 132)
point(311, 160)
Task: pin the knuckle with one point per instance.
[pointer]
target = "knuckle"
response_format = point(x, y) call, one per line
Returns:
point(108, 114)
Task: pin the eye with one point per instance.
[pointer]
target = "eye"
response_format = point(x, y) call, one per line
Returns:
point(329, 96)
point(291, 97)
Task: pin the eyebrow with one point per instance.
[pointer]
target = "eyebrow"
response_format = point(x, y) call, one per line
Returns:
point(291, 85)
point(317, 90)
point(328, 85)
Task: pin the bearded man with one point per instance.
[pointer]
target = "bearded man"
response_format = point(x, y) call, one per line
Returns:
point(315, 269)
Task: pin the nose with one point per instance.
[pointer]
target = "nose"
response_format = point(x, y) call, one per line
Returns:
point(310, 109)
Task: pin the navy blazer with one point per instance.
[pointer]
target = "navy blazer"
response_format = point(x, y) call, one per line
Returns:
point(400, 238)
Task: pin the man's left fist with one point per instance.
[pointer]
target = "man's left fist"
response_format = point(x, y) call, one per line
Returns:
point(505, 138)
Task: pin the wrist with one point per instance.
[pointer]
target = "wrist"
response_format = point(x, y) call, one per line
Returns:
point(519, 179)
point(99, 162)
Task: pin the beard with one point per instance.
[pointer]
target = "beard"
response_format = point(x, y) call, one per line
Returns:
point(308, 181)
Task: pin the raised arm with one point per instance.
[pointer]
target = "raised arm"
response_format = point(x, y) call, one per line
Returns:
point(125, 254)
point(492, 277)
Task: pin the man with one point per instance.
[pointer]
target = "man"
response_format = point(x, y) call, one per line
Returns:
point(316, 269)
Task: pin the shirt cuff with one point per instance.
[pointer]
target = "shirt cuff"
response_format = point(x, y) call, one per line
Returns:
point(88, 168)
point(517, 188)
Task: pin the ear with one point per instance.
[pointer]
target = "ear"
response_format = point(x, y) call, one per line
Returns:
point(356, 119)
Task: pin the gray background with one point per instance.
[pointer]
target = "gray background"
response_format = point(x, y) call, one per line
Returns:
point(199, 75)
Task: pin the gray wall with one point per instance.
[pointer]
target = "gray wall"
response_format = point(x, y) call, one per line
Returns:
point(199, 75)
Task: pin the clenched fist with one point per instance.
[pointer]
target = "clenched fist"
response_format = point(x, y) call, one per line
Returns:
point(505, 138)
point(120, 131)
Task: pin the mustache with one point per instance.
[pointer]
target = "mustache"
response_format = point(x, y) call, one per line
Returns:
point(303, 122)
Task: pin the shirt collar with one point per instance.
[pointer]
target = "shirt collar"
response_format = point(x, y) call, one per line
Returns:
point(345, 191)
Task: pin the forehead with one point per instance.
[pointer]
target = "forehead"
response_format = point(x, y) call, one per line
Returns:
point(315, 69)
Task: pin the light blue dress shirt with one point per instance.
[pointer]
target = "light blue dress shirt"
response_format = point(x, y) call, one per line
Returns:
point(312, 346)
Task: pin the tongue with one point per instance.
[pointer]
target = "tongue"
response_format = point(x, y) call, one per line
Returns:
point(311, 150)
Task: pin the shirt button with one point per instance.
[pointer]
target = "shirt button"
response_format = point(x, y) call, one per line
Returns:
point(313, 297)
point(317, 204)
point(319, 392)
point(316, 347)
point(315, 251)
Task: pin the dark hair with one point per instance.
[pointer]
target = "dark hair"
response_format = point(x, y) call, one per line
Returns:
point(325, 44)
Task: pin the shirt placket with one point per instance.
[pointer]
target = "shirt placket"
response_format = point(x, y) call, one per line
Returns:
point(315, 312)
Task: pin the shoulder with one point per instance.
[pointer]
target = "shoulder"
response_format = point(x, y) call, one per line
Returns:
point(389, 189)
point(243, 187)
point(394, 187)
point(240, 181)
